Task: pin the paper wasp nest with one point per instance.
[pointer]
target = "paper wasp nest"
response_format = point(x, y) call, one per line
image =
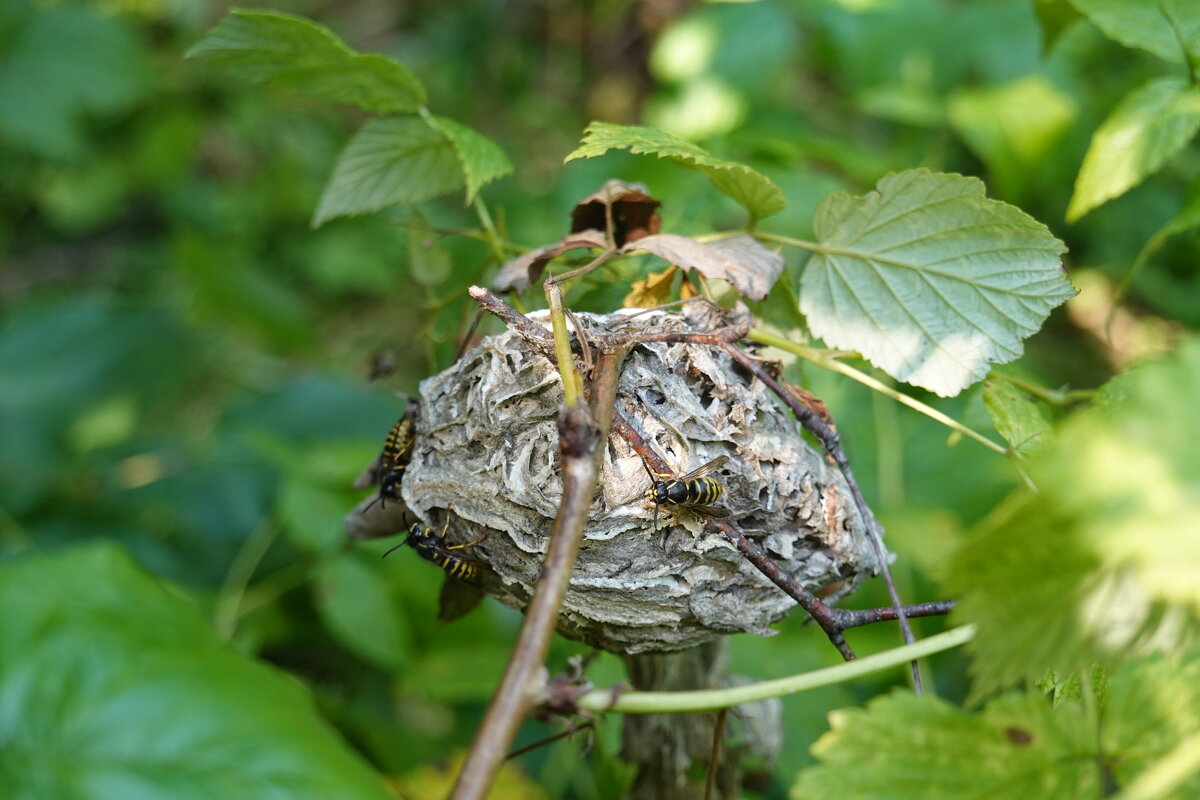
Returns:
point(487, 447)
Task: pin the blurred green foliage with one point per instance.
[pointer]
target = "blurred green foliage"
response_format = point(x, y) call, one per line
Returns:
point(184, 360)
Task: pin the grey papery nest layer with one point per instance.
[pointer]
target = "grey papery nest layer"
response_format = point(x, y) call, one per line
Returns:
point(487, 447)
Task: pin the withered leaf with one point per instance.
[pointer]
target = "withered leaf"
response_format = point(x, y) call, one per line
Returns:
point(654, 291)
point(520, 273)
point(634, 212)
point(741, 260)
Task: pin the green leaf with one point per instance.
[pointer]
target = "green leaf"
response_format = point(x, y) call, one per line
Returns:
point(1150, 125)
point(390, 160)
point(1021, 745)
point(112, 685)
point(755, 192)
point(312, 514)
point(1170, 29)
point(481, 159)
point(1016, 416)
point(1015, 128)
point(361, 610)
point(61, 64)
point(929, 279)
point(1102, 560)
point(287, 52)
point(1186, 218)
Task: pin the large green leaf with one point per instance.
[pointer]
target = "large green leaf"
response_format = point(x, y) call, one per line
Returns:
point(390, 160)
point(1102, 560)
point(929, 279)
point(1150, 125)
point(288, 52)
point(755, 192)
point(112, 685)
point(481, 159)
point(1021, 745)
point(1170, 29)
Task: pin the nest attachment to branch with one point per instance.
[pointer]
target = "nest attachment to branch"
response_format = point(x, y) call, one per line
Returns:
point(487, 449)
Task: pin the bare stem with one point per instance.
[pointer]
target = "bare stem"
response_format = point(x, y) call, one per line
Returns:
point(828, 436)
point(581, 444)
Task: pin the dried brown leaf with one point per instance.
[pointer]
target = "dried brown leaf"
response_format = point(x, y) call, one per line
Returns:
point(634, 212)
point(741, 260)
point(520, 273)
point(654, 291)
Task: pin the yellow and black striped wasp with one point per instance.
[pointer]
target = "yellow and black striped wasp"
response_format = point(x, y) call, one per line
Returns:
point(397, 452)
point(430, 544)
point(694, 491)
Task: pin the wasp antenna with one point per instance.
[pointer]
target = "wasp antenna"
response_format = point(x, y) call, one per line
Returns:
point(393, 549)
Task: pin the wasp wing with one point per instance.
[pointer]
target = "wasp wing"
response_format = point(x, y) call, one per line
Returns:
point(704, 469)
point(710, 511)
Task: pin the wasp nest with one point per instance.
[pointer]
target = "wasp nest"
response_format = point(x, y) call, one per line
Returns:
point(487, 448)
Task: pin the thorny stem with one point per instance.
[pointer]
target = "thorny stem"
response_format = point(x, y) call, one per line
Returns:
point(606, 700)
point(581, 441)
point(829, 437)
point(822, 358)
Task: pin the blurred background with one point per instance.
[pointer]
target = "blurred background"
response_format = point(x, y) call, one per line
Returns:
point(188, 369)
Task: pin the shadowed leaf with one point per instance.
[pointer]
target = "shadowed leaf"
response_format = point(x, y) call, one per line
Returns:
point(755, 192)
point(288, 52)
point(1170, 29)
point(390, 160)
point(629, 206)
point(1015, 415)
point(481, 159)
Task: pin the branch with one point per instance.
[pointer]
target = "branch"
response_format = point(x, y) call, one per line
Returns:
point(581, 443)
point(829, 438)
point(598, 700)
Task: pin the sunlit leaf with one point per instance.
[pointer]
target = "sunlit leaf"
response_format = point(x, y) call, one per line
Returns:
point(1150, 125)
point(1170, 29)
point(390, 160)
point(1020, 745)
point(288, 52)
point(1102, 560)
point(755, 192)
point(481, 159)
point(1015, 415)
point(112, 685)
point(929, 279)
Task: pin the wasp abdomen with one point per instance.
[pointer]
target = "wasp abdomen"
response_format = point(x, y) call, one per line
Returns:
point(701, 491)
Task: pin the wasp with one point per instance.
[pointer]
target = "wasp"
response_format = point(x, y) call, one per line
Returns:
point(694, 491)
point(397, 451)
point(431, 545)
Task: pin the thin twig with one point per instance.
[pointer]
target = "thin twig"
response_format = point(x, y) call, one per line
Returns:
point(830, 439)
point(715, 756)
point(570, 731)
point(581, 443)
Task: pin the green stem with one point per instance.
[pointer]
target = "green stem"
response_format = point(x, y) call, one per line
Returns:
point(562, 346)
point(822, 359)
point(714, 699)
point(229, 599)
point(1165, 776)
point(1051, 396)
point(493, 239)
